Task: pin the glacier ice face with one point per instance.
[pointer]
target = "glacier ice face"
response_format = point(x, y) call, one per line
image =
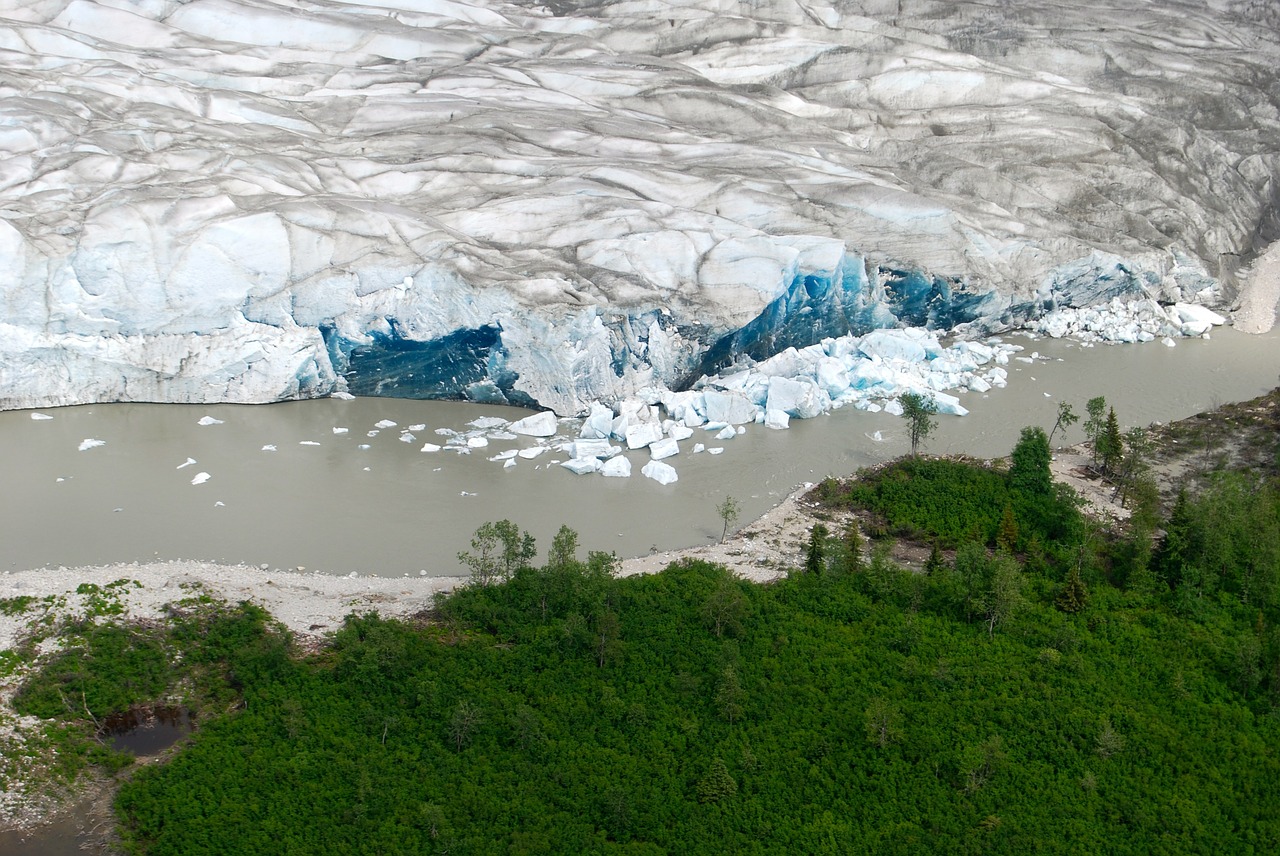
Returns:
point(254, 200)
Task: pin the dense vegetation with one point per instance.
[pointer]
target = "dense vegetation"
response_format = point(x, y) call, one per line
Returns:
point(1042, 687)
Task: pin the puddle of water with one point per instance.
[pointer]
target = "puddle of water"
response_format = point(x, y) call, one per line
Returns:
point(147, 732)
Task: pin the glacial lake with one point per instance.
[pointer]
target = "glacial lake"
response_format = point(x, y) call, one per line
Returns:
point(392, 509)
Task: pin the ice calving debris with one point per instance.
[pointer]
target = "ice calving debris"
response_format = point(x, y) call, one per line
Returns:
point(660, 472)
point(698, 447)
point(430, 447)
point(593, 449)
point(582, 466)
point(88, 443)
point(209, 420)
point(716, 451)
point(446, 432)
point(339, 430)
point(219, 504)
point(664, 449)
point(504, 456)
point(641, 435)
point(777, 419)
point(308, 443)
point(617, 467)
point(727, 433)
point(384, 423)
point(539, 425)
point(484, 423)
point(477, 442)
point(510, 462)
point(188, 462)
point(372, 433)
point(406, 437)
point(421, 426)
point(363, 446)
point(41, 417)
point(532, 452)
point(269, 448)
point(201, 478)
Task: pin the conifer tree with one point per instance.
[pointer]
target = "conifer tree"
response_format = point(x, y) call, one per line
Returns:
point(1074, 596)
point(815, 558)
point(1110, 443)
point(1007, 537)
point(717, 785)
point(934, 564)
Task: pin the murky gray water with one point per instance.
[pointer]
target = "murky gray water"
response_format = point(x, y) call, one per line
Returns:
point(393, 510)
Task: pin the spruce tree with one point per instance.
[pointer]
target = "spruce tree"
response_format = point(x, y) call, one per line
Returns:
point(815, 558)
point(934, 564)
point(1074, 596)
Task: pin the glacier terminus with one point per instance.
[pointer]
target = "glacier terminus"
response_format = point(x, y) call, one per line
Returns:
point(579, 201)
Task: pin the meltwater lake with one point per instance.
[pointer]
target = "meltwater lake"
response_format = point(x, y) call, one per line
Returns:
point(321, 502)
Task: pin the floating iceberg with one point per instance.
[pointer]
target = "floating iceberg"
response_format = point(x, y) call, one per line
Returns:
point(660, 472)
point(539, 425)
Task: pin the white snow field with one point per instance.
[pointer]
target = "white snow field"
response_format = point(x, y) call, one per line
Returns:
point(568, 203)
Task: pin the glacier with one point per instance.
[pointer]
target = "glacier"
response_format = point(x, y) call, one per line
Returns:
point(559, 204)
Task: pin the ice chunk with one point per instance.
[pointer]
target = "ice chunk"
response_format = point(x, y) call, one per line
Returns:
point(664, 449)
point(308, 443)
point(893, 407)
point(1196, 320)
point(505, 456)
point(1169, 343)
point(731, 407)
point(618, 467)
point(362, 446)
point(201, 478)
point(420, 426)
point(948, 404)
point(640, 435)
point(593, 449)
point(477, 442)
point(427, 447)
point(727, 433)
point(384, 423)
point(681, 432)
point(41, 417)
point(188, 462)
point(373, 433)
point(209, 420)
point(777, 419)
point(271, 448)
point(660, 472)
point(598, 424)
point(716, 451)
point(539, 425)
point(582, 466)
point(698, 447)
point(977, 384)
point(892, 345)
point(532, 452)
point(802, 399)
point(484, 423)
point(88, 443)
point(406, 437)
point(339, 430)
point(510, 462)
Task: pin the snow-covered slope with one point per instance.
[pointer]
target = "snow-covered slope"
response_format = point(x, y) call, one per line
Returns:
point(249, 200)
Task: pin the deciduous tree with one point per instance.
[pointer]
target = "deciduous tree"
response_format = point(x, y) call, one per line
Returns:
point(918, 410)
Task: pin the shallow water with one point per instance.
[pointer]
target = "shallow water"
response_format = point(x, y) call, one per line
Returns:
point(393, 510)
